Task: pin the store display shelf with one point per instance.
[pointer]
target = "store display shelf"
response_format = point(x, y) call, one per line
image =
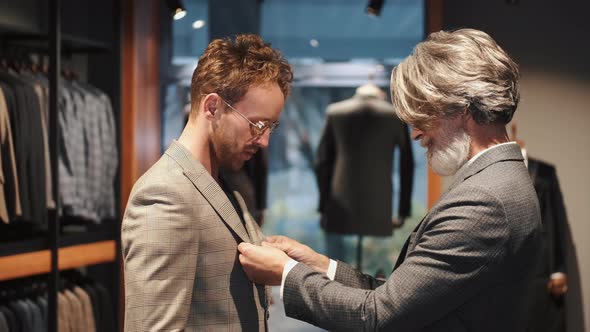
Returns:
point(39, 262)
point(29, 245)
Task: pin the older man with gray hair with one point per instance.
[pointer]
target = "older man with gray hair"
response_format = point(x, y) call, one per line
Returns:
point(467, 264)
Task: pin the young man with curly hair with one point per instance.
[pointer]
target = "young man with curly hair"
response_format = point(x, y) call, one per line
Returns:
point(182, 224)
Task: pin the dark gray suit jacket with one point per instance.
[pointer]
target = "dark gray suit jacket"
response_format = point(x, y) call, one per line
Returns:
point(354, 167)
point(466, 267)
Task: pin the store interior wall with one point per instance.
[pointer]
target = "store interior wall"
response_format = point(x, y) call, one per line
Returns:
point(549, 41)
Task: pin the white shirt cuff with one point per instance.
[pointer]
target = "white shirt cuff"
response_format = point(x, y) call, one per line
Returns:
point(288, 267)
point(291, 264)
point(332, 269)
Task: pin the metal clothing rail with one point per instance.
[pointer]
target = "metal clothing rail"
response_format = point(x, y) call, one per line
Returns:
point(53, 218)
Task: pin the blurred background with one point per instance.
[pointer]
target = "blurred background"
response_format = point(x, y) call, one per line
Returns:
point(140, 55)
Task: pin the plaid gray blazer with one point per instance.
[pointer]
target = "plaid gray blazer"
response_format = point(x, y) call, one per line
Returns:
point(179, 239)
point(466, 267)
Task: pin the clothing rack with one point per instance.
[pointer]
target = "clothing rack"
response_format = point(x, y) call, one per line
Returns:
point(56, 252)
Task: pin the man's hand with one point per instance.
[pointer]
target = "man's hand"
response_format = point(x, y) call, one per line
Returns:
point(263, 264)
point(299, 252)
point(557, 284)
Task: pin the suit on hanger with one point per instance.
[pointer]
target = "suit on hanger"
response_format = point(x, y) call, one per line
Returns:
point(4, 327)
point(180, 236)
point(28, 137)
point(466, 267)
point(546, 313)
point(9, 194)
point(87, 313)
point(354, 167)
point(11, 319)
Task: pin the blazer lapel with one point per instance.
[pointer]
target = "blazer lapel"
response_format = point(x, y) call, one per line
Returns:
point(403, 253)
point(256, 236)
point(209, 188)
point(251, 226)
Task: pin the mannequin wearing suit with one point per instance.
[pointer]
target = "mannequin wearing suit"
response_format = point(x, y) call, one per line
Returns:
point(468, 264)
point(354, 165)
point(547, 311)
point(183, 222)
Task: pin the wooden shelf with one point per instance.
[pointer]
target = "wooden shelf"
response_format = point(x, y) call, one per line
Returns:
point(23, 245)
point(39, 262)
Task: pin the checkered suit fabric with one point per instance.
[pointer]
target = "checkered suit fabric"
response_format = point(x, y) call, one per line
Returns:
point(179, 236)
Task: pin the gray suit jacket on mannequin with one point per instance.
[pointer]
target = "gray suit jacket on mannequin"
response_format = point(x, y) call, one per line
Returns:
point(354, 167)
point(179, 236)
point(466, 267)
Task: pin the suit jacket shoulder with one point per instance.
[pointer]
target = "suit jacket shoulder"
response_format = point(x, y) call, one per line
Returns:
point(356, 104)
point(160, 242)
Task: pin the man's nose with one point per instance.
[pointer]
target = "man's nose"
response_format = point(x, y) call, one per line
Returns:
point(262, 140)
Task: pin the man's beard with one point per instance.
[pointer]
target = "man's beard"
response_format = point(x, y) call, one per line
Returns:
point(226, 150)
point(449, 151)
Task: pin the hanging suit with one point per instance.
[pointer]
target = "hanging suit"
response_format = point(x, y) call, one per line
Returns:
point(546, 313)
point(354, 167)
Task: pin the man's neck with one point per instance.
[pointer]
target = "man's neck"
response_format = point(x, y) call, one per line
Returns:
point(486, 136)
point(195, 138)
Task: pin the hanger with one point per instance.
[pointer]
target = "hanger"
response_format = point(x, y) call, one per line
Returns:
point(370, 89)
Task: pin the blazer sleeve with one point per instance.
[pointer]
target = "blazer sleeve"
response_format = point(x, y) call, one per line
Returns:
point(160, 245)
point(351, 277)
point(559, 217)
point(450, 262)
point(324, 164)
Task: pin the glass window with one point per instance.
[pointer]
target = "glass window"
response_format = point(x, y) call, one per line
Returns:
point(336, 30)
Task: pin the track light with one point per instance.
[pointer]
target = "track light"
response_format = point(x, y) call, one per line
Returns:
point(374, 7)
point(198, 24)
point(177, 8)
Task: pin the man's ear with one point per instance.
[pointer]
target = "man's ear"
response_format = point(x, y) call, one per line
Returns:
point(469, 122)
point(210, 106)
point(466, 116)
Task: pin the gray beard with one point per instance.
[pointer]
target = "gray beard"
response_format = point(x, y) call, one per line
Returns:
point(448, 159)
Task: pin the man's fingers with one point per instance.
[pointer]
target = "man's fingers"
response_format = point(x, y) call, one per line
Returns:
point(276, 239)
point(272, 239)
point(242, 247)
point(280, 246)
point(273, 245)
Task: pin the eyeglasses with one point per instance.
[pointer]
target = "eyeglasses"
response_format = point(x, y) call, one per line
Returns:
point(258, 128)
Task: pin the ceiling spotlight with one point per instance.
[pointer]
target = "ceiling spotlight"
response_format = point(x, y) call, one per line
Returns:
point(198, 24)
point(177, 8)
point(179, 13)
point(374, 7)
